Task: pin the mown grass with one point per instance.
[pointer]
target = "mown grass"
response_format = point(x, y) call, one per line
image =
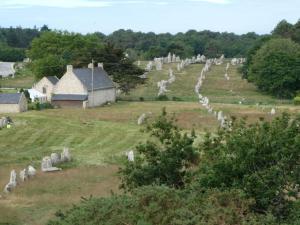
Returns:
point(182, 89)
point(23, 79)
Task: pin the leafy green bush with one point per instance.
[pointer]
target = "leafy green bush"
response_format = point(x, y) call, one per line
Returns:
point(174, 98)
point(155, 205)
point(165, 160)
point(262, 159)
point(297, 100)
point(162, 98)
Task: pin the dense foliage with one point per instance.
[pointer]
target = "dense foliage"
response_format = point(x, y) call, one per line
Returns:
point(273, 65)
point(14, 42)
point(246, 174)
point(211, 44)
point(275, 68)
point(164, 160)
point(261, 159)
point(52, 51)
point(160, 205)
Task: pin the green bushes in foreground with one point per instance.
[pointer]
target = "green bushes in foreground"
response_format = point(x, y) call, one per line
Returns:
point(244, 174)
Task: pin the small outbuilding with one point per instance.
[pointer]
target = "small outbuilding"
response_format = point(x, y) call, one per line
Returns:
point(46, 87)
point(13, 103)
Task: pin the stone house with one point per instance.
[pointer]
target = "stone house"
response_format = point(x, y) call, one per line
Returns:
point(13, 103)
point(46, 86)
point(85, 87)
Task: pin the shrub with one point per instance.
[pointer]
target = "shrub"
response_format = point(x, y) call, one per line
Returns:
point(297, 100)
point(141, 99)
point(260, 159)
point(174, 98)
point(162, 98)
point(155, 205)
point(166, 160)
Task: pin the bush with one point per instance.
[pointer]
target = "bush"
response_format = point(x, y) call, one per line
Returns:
point(297, 100)
point(165, 160)
point(162, 98)
point(142, 99)
point(39, 106)
point(155, 205)
point(174, 98)
point(261, 159)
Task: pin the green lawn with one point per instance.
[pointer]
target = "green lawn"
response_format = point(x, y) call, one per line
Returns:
point(23, 79)
point(182, 88)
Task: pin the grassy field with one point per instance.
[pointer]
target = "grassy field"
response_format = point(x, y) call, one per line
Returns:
point(98, 138)
point(22, 79)
point(182, 88)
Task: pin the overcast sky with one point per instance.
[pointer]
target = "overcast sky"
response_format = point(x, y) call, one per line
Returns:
point(160, 16)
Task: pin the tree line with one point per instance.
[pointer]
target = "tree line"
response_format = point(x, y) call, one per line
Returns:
point(14, 42)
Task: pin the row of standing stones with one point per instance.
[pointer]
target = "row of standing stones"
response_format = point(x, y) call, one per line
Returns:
point(29, 172)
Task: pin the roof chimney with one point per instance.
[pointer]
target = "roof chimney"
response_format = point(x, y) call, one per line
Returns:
point(100, 65)
point(69, 68)
point(91, 65)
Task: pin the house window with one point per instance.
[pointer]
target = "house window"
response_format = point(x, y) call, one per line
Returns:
point(44, 90)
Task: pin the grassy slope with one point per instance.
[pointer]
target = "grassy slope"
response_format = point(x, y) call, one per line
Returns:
point(23, 79)
point(98, 138)
point(182, 88)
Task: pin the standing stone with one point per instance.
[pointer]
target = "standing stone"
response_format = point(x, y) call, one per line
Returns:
point(12, 182)
point(23, 175)
point(273, 112)
point(47, 165)
point(31, 171)
point(65, 155)
point(220, 116)
point(142, 119)
point(55, 158)
point(130, 156)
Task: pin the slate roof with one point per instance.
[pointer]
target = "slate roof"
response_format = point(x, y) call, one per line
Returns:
point(53, 79)
point(101, 79)
point(67, 97)
point(12, 98)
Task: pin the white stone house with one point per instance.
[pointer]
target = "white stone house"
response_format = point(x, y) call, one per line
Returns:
point(85, 87)
point(13, 103)
point(45, 87)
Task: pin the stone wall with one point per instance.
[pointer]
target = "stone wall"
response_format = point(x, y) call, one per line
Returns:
point(101, 97)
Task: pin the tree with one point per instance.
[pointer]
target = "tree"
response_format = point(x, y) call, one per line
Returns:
point(166, 160)
point(283, 29)
point(261, 159)
point(52, 65)
point(275, 68)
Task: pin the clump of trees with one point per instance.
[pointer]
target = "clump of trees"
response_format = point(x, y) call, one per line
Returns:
point(273, 64)
point(14, 42)
point(244, 174)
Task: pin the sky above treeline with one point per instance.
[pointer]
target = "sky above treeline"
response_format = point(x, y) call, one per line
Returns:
point(159, 16)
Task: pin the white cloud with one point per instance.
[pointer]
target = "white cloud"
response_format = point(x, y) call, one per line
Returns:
point(223, 2)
